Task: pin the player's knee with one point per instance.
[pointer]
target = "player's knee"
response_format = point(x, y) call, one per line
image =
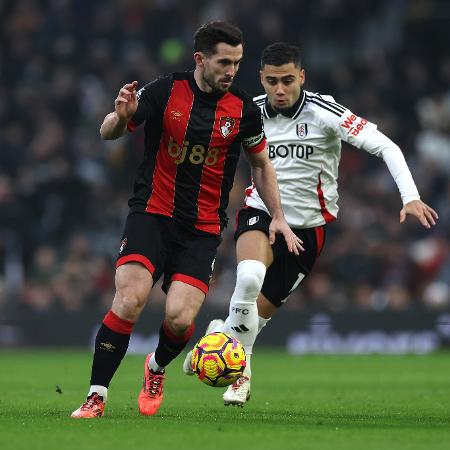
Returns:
point(250, 282)
point(179, 324)
point(129, 301)
point(250, 276)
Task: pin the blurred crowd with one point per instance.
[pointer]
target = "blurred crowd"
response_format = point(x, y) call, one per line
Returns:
point(64, 191)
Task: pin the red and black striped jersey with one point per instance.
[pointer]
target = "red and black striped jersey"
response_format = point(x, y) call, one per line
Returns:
point(193, 141)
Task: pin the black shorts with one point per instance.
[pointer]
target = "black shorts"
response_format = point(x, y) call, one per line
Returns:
point(287, 270)
point(165, 246)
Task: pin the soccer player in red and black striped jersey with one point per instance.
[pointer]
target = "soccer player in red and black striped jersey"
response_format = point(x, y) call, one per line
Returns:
point(196, 124)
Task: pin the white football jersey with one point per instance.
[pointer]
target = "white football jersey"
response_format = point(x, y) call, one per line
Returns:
point(304, 145)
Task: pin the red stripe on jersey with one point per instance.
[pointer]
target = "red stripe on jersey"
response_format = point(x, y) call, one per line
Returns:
point(323, 209)
point(175, 122)
point(131, 126)
point(223, 134)
point(320, 238)
point(249, 190)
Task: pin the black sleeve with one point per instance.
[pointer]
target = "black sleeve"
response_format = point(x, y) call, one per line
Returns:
point(152, 100)
point(252, 130)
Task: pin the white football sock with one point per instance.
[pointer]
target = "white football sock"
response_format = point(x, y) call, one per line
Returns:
point(101, 390)
point(215, 326)
point(262, 322)
point(153, 365)
point(248, 370)
point(242, 320)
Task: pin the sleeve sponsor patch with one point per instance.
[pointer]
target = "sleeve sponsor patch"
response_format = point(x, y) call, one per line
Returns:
point(353, 124)
point(253, 141)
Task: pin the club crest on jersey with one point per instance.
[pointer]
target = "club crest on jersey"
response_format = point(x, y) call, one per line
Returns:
point(302, 129)
point(253, 220)
point(226, 125)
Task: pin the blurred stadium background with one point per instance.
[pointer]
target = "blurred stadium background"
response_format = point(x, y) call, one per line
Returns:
point(378, 286)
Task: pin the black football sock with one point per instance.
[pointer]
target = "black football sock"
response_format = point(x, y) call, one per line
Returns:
point(111, 344)
point(170, 345)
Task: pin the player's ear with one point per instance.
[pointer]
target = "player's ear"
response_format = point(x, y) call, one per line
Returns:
point(199, 58)
point(261, 76)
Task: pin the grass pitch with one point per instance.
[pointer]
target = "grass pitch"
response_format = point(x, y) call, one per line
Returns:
point(312, 402)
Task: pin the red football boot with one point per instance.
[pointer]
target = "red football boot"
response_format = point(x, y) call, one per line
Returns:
point(151, 395)
point(94, 406)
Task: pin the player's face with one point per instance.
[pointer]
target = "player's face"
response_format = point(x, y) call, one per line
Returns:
point(218, 70)
point(282, 84)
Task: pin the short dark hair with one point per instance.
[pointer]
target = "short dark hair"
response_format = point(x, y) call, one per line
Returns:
point(281, 53)
point(210, 34)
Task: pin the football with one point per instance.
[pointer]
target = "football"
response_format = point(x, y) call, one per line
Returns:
point(218, 359)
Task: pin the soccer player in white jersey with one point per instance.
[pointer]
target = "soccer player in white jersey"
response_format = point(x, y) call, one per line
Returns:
point(304, 132)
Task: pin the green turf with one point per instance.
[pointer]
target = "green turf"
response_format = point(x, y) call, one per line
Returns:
point(313, 402)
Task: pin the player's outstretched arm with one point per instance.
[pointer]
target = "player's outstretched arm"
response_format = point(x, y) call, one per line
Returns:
point(426, 215)
point(265, 179)
point(125, 105)
point(376, 143)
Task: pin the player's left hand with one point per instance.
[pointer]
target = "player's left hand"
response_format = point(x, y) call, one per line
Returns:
point(293, 242)
point(427, 216)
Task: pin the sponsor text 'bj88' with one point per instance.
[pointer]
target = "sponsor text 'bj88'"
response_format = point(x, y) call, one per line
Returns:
point(197, 154)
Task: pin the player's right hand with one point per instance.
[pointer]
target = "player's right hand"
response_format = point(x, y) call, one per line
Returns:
point(293, 242)
point(126, 102)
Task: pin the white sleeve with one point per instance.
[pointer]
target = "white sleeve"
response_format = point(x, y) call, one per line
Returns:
point(380, 145)
point(364, 135)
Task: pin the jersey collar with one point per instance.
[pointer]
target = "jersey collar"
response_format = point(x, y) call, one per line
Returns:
point(293, 112)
